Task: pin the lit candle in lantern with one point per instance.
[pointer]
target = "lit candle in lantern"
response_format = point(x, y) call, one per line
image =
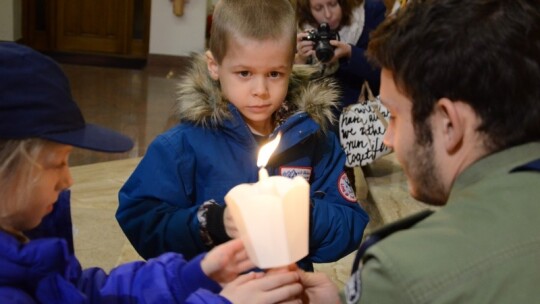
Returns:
point(272, 215)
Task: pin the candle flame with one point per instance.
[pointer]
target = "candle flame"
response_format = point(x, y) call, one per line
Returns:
point(266, 151)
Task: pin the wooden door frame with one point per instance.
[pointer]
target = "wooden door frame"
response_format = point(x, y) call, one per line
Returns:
point(136, 50)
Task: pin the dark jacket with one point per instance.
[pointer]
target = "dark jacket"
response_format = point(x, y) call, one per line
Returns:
point(354, 71)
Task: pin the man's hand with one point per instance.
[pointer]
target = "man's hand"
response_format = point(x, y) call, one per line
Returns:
point(318, 288)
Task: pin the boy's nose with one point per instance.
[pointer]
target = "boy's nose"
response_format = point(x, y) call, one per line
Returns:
point(260, 88)
point(67, 180)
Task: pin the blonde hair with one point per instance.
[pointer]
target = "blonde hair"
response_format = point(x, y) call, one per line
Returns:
point(19, 172)
point(252, 19)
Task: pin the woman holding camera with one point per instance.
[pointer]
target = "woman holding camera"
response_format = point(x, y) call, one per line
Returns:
point(352, 20)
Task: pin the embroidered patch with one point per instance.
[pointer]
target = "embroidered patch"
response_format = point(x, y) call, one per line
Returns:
point(345, 188)
point(291, 172)
point(353, 288)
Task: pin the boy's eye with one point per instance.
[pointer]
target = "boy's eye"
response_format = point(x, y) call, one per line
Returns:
point(244, 73)
point(55, 165)
point(274, 74)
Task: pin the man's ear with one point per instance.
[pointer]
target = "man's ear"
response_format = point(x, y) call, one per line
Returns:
point(213, 66)
point(452, 123)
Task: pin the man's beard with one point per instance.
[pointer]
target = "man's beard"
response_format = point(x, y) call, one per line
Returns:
point(425, 183)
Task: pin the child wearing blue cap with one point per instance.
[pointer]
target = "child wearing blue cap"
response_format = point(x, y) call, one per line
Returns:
point(39, 125)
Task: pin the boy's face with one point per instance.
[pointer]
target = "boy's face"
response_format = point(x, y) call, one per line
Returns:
point(52, 178)
point(254, 76)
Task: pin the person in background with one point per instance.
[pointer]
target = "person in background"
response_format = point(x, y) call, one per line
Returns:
point(241, 94)
point(353, 20)
point(39, 125)
point(461, 80)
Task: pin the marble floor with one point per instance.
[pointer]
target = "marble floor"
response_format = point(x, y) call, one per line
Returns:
point(140, 104)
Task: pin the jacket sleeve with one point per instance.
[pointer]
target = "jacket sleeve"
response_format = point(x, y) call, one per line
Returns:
point(337, 221)
point(14, 295)
point(165, 279)
point(157, 211)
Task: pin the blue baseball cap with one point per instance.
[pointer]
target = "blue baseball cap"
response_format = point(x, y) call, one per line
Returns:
point(36, 102)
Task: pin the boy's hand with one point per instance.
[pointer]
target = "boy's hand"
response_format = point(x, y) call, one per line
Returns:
point(262, 288)
point(225, 262)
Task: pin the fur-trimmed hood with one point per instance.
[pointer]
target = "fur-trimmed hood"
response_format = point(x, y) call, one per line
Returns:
point(200, 100)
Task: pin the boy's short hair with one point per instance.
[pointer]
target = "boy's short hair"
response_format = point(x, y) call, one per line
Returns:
point(252, 19)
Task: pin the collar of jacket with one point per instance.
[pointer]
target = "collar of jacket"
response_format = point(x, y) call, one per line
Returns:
point(199, 99)
point(295, 129)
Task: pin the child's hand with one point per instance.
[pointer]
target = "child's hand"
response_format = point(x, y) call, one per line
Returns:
point(224, 262)
point(261, 288)
point(230, 226)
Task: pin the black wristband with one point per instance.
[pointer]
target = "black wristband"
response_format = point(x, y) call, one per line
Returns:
point(215, 225)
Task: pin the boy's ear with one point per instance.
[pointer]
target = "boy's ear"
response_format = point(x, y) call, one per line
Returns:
point(213, 66)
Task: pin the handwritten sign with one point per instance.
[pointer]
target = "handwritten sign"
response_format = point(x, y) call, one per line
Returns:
point(361, 132)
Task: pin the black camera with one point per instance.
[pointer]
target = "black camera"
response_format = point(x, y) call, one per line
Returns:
point(322, 36)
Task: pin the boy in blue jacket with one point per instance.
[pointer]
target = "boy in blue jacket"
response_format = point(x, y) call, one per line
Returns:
point(39, 125)
point(236, 97)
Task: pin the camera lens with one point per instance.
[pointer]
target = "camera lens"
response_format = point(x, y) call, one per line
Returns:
point(324, 51)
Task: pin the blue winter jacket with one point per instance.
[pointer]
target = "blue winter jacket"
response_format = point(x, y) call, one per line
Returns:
point(213, 150)
point(44, 270)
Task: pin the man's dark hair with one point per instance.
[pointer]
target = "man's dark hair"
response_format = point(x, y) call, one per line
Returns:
point(485, 53)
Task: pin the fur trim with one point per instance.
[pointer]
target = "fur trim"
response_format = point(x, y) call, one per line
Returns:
point(200, 99)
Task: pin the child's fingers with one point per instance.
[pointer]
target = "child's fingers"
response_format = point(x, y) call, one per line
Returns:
point(245, 265)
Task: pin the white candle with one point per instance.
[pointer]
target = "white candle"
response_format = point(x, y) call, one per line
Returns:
point(272, 215)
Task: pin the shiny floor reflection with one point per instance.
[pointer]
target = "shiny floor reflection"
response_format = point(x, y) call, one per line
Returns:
point(137, 103)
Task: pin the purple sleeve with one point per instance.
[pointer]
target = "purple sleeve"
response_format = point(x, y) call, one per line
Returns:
point(165, 279)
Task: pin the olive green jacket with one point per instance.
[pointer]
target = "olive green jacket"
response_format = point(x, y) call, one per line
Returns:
point(482, 247)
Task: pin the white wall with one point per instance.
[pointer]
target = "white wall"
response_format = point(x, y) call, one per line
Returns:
point(178, 36)
point(10, 20)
